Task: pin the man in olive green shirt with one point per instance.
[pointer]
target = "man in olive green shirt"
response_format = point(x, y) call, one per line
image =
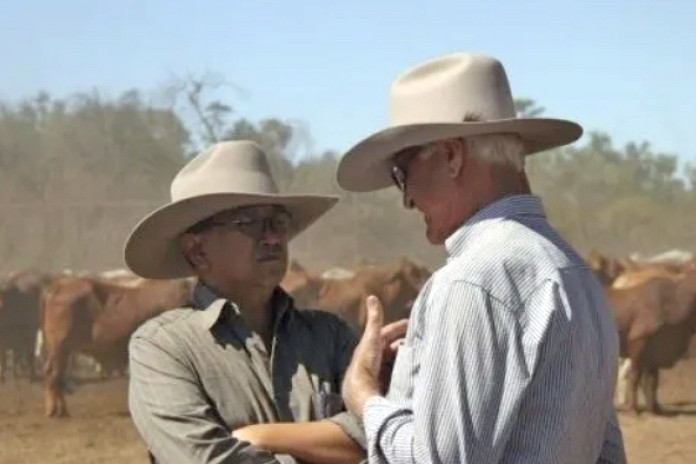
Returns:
point(240, 375)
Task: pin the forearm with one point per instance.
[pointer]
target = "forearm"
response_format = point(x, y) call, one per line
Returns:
point(173, 416)
point(319, 442)
point(453, 413)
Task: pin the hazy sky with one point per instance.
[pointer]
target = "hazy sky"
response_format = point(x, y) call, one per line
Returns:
point(627, 67)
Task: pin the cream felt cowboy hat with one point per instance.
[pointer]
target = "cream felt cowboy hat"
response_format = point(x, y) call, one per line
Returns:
point(457, 95)
point(226, 175)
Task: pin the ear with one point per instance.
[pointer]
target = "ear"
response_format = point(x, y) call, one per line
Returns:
point(192, 247)
point(456, 153)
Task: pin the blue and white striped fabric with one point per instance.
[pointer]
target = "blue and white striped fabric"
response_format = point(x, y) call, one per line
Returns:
point(510, 355)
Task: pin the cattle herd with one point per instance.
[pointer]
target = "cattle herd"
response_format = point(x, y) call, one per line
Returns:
point(49, 321)
point(654, 306)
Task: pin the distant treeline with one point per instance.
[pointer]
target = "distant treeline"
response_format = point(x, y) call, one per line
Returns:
point(77, 173)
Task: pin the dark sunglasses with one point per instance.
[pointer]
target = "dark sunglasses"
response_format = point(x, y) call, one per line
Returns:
point(398, 177)
point(400, 163)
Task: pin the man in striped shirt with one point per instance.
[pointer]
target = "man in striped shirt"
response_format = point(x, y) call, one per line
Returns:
point(510, 354)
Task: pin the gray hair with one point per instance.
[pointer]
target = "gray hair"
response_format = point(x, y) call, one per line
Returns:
point(503, 149)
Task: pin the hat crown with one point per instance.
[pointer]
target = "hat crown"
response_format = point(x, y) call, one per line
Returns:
point(226, 167)
point(226, 176)
point(451, 89)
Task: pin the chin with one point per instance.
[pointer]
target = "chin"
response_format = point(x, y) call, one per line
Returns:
point(436, 241)
point(277, 266)
point(434, 238)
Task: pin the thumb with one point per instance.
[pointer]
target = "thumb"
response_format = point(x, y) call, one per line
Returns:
point(374, 319)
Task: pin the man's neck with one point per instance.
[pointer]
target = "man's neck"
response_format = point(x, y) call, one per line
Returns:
point(503, 183)
point(255, 304)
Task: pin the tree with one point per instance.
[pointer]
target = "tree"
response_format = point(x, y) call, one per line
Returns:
point(527, 108)
point(209, 115)
point(79, 172)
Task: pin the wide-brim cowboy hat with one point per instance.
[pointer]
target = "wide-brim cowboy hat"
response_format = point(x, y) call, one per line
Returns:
point(225, 176)
point(457, 95)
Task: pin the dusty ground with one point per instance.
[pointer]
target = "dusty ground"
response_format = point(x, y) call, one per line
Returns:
point(100, 430)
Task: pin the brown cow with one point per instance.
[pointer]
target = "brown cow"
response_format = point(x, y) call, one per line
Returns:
point(20, 301)
point(396, 287)
point(655, 321)
point(606, 268)
point(639, 277)
point(88, 315)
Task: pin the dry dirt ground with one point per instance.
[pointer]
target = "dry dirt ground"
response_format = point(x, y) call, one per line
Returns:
point(100, 430)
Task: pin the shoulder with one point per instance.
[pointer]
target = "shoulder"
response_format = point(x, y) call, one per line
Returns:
point(166, 325)
point(509, 260)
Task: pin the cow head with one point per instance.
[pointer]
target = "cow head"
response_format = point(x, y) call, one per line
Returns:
point(415, 275)
point(605, 268)
point(397, 289)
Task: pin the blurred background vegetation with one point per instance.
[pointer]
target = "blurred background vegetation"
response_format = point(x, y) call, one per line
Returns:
point(77, 173)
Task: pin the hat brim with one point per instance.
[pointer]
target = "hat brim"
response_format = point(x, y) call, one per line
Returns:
point(152, 250)
point(365, 167)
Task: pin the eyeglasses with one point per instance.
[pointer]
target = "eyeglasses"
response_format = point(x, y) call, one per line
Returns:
point(256, 226)
point(401, 161)
point(247, 222)
point(398, 177)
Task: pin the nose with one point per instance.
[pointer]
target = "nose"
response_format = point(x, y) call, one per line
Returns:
point(272, 235)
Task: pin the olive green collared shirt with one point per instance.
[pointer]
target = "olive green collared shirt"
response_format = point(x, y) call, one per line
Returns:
point(199, 373)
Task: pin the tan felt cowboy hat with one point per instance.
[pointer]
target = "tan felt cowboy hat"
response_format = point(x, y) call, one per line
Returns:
point(227, 175)
point(436, 100)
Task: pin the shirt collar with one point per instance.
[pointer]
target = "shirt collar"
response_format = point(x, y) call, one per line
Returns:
point(524, 205)
point(212, 306)
point(209, 303)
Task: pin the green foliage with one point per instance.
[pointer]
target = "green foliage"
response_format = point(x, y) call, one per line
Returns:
point(619, 200)
point(78, 173)
point(527, 108)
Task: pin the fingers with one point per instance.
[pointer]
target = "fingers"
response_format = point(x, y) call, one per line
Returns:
point(373, 321)
point(394, 331)
point(394, 346)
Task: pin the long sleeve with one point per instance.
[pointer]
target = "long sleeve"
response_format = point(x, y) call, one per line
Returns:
point(172, 414)
point(468, 388)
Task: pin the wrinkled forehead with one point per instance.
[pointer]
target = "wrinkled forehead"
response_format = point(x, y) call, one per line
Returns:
point(259, 210)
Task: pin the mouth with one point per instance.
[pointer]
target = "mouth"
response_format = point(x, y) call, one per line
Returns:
point(270, 253)
point(269, 257)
